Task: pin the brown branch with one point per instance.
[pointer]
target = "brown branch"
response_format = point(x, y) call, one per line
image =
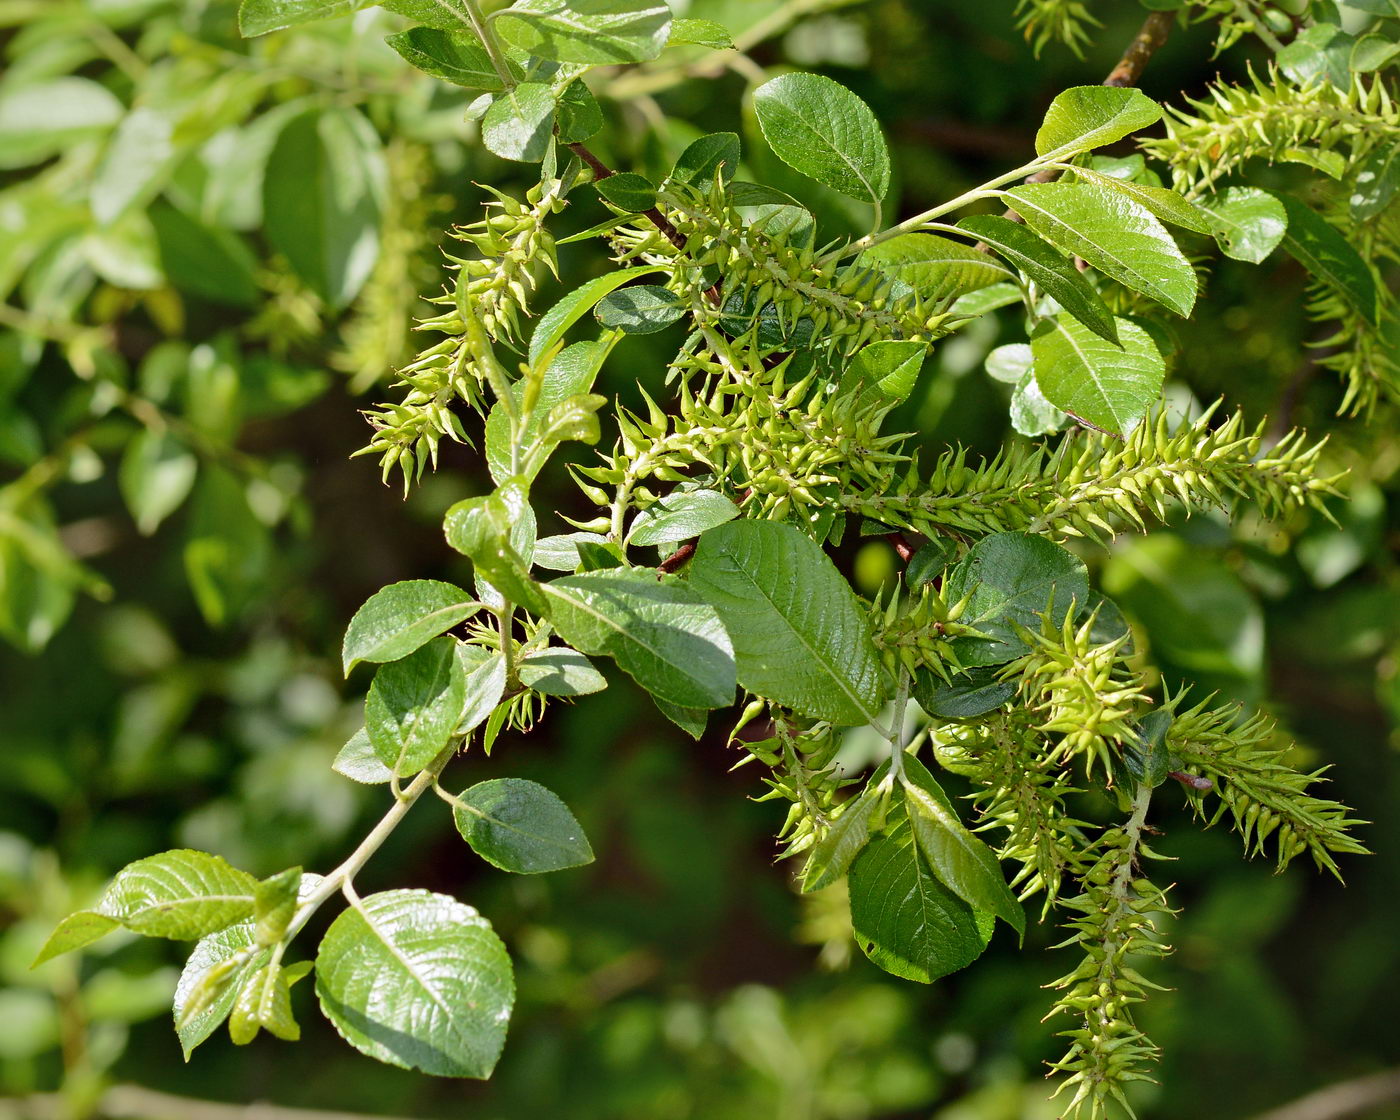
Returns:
point(678, 558)
point(602, 171)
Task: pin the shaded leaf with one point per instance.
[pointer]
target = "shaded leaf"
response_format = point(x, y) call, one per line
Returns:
point(1110, 387)
point(822, 129)
point(520, 826)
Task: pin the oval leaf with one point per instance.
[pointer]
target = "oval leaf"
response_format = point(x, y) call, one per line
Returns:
point(1248, 223)
point(454, 56)
point(661, 632)
point(181, 894)
point(822, 129)
point(639, 309)
point(680, 516)
point(414, 706)
point(593, 32)
point(519, 123)
point(397, 619)
point(800, 637)
point(1110, 387)
point(1086, 117)
point(520, 826)
point(417, 980)
point(1320, 248)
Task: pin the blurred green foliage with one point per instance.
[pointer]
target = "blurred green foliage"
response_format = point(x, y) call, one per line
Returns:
point(182, 535)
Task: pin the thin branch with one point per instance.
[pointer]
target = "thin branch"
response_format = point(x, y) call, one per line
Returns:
point(1149, 39)
point(602, 171)
point(1357, 1097)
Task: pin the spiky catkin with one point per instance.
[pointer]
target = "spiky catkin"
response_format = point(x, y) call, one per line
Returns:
point(1115, 920)
point(1091, 485)
point(490, 293)
point(1270, 118)
point(1067, 22)
point(1267, 799)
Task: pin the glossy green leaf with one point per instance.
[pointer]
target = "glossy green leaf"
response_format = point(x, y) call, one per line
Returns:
point(593, 32)
point(1320, 248)
point(520, 826)
point(639, 309)
point(1031, 412)
point(397, 619)
point(628, 191)
point(180, 894)
point(258, 17)
point(157, 475)
point(520, 122)
point(938, 268)
point(890, 365)
point(560, 554)
point(358, 761)
point(904, 919)
point(700, 33)
point(555, 322)
point(569, 376)
point(443, 15)
point(274, 904)
point(322, 198)
point(1248, 223)
point(679, 516)
point(487, 529)
point(1012, 578)
point(455, 56)
point(558, 671)
point(75, 931)
point(1165, 204)
point(822, 129)
point(483, 686)
point(1113, 233)
point(417, 980)
point(690, 720)
point(1110, 387)
point(800, 637)
point(1376, 182)
point(831, 856)
point(717, 153)
point(263, 1002)
point(414, 705)
point(212, 978)
point(660, 631)
point(1085, 117)
point(1046, 267)
point(963, 863)
point(579, 116)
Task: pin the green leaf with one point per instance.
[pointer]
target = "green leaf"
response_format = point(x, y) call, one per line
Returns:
point(833, 854)
point(639, 309)
point(180, 894)
point(700, 33)
point(417, 980)
point(1086, 117)
point(579, 114)
point(822, 129)
point(258, 17)
point(442, 15)
point(486, 529)
point(904, 919)
point(212, 978)
point(414, 705)
point(1248, 223)
point(1009, 363)
point(800, 637)
point(772, 212)
point(206, 261)
point(397, 619)
point(263, 1002)
point(358, 761)
point(75, 931)
point(938, 268)
point(628, 191)
point(717, 153)
point(555, 322)
point(1376, 182)
point(520, 826)
point(1012, 578)
point(1031, 412)
point(323, 193)
point(568, 377)
point(560, 554)
point(1165, 204)
point(1320, 248)
point(1047, 267)
point(592, 32)
point(690, 720)
point(974, 694)
point(157, 475)
point(484, 686)
point(274, 905)
point(1320, 51)
point(455, 56)
point(1370, 53)
point(891, 365)
point(679, 516)
point(39, 120)
point(520, 122)
point(558, 671)
point(1114, 234)
point(962, 862)
point(660, 631)
point(1110, 387)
